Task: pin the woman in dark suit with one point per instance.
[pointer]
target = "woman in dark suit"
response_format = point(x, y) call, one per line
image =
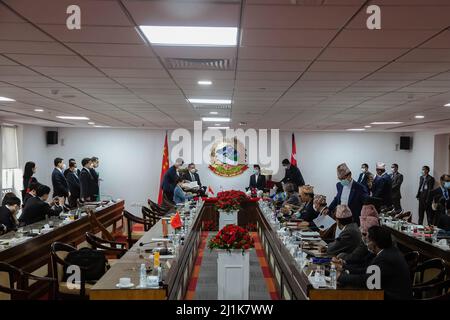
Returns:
point(28, 172)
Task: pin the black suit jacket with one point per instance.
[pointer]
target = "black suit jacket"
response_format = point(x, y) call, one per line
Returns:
point(87, 185)
point(36, 209)
point(308, 213)
point(169, 179)
point(382, 188)
point(294, 176)
point(397, 180)
point(7, 222)
point(60, 186)
point(187, 176)
point(428, 183)
point(395, 279)
point(260, 184)
point(74, 184)
point(96, 186)
point(26, 197)
point(438, 194)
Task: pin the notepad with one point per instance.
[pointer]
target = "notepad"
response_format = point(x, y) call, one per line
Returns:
point(324, 222)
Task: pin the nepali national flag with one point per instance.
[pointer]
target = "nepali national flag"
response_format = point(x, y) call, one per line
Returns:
point(294, 152)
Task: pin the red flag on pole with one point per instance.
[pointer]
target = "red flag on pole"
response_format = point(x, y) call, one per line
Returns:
point(164, 168)
point(294, 152)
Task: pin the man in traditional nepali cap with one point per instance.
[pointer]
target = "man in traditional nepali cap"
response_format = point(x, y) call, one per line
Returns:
point(349, 192)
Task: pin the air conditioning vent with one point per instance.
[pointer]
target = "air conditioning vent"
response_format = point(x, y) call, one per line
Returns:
point(212, 107)
point(199, 64)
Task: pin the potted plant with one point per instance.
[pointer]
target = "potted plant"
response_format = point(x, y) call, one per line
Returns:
point(233, 262)
point(228, 204)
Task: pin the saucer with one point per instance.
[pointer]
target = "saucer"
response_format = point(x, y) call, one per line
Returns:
point(131, 285)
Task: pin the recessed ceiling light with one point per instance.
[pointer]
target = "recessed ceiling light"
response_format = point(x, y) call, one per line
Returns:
point(367, 126)
point(387, 122)
point(6, 99)
point(208, 119)
point(91, 123)
point(242, 123)
point(102, 127)
point(218, 127)
point(419, 117)
point(447, 105)
point(217, 124)
point(356, 129)
point(190, 36)
point(210, 101)
point(204, 82)
point(38, 110)
point(213, 112)
point(72, 118)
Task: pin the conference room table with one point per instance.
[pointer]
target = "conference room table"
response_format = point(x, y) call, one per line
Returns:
point(291, 281)
point(29, 247)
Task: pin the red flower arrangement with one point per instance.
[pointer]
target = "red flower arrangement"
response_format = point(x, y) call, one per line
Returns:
point(232, 237)
point(209, 225)
point(230, 200)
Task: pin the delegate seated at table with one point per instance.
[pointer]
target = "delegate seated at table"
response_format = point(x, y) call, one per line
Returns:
point(38, 208)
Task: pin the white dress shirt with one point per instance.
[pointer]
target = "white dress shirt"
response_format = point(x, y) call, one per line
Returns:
point(345, 195)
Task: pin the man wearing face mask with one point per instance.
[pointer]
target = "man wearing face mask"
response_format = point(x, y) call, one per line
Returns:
point(397, 180)
point(60, 185)
point(257, 181)
point(8, 212)
point(426, 184)
point(443, 194)
point(349, 192)
point(170, 179)
point(192, 175)
point(382, 187)
point(292, 174)
point(365, 177)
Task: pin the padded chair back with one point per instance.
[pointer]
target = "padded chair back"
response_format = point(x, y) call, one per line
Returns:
point(10, 277)
point(108, 247)
point(430, 272)
point(436, 291)
point(97, 226)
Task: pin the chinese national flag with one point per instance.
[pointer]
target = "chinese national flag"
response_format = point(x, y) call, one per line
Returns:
point(175, 222)
point(164, 168)
point(294, 152)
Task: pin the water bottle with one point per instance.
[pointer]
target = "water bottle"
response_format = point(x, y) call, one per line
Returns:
point(333, 280)
point(143, 276)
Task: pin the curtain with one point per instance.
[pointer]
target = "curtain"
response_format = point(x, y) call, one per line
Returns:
point(9, 148)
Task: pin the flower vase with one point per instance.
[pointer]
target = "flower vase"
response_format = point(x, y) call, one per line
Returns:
point(233, 274)
point(227, 217)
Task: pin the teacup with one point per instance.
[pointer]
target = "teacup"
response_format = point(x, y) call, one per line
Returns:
point(124, 282)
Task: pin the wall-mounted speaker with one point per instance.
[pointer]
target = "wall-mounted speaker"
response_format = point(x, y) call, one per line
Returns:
point(405, 143)
point(52, 137)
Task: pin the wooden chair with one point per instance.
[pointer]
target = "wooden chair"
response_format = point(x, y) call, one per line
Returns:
point(435, 291)
point(18, 287)
point(110, 248)
point(430, 272)
point(97, 226)
point(150, 215)
point(134, 236)
point(58, 254)
point(168, 202)
point(412, 259)
point(160, 209)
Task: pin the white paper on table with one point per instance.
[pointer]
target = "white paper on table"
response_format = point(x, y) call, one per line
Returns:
point(324, 222)
point(160, 239)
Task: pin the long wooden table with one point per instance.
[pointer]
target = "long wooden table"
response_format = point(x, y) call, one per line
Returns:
point(33, 255)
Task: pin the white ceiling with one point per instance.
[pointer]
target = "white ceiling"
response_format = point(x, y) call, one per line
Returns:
point(300, 65)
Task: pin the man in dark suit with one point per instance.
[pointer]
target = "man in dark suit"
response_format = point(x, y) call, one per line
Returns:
point(442, 195)
point(349, 238)
point(60, 186)
point(307, 213)
point(426, 184)
point(8, 212)
point(257, 181)
point(349, 192)
point(382, 186)
point(96, 176)
point(365, 177)
point(394, 271)
point(87, 181)
point(66, 172)
point(38, 208)
point(397, 180)
point(74, 184)
point(32, 187)
point(292, 174)
point(170, 179)
point(192, 175)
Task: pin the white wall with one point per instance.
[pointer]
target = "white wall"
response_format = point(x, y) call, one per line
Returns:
point(131, 159)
